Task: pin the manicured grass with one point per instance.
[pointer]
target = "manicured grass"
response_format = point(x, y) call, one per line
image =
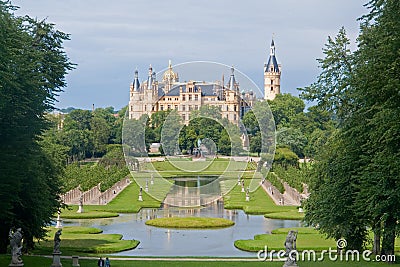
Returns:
point(260, 202)
point(88, 213)
point(286, 215)
point(185, 167)
point(125, 202)
point(36, 261)
point(190, 222)
point(80, 240)
point(307, 238)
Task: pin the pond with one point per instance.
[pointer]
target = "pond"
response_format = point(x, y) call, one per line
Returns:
point(179, 242)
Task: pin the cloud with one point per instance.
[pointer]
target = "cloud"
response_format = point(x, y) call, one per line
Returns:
point(110, 38)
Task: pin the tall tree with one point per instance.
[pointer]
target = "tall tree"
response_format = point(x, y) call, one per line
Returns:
point(362, 90)
point(32, 73)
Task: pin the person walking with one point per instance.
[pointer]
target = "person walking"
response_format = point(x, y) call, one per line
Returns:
point(107, 263)
point(100, 262)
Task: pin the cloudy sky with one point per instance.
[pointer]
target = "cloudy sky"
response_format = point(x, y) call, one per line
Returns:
point(109, 39)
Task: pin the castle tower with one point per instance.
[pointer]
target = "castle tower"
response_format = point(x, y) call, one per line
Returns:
point(135, 107)
point(272, 75)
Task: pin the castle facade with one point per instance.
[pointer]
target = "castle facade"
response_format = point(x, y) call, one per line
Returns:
point(170, 94)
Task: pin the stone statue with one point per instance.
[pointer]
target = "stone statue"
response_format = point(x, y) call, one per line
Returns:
point(290, 247)
point(57, 241)
point(16, 247)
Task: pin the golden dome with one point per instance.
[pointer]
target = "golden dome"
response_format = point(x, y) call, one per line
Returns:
point(169, 75)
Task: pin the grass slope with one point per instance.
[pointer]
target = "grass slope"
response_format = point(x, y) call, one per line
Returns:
point(125, 202)
point(260, 203)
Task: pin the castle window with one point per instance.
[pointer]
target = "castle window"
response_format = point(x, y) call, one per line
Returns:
point(131, 108)
point(183, 98)
point(183, 107)
point(196, 97)
point(190, 107)
point(176, 106)
point(183, 117)
point(190, 97)
point(162, 107)
point(169, 106)
point(145, 108)
point(234, 117)
point(272, 88)
point(176, 99)
point(272, 82)
point(227, 108)
point(234, 108)
point(196, 107)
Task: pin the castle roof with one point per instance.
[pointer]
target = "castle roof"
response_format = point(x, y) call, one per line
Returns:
point(206, 89)
point(272, 65)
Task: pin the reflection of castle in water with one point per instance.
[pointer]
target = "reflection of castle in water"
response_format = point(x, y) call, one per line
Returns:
point(193, 191)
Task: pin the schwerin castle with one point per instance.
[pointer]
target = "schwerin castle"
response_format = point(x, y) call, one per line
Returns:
point(170, 94)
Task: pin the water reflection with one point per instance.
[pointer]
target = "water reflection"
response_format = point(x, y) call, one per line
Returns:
point(193, 191)
point(178, 242)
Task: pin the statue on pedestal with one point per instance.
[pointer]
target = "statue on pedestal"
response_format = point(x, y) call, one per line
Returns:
point(291, 250)
point(16, 247)
point(57, 241)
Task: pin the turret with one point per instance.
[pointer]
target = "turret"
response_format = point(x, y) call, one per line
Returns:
point(136, 83)
point(272, 75)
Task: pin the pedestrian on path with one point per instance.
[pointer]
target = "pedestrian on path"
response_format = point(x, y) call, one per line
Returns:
point(107, 263)
point(100, 262)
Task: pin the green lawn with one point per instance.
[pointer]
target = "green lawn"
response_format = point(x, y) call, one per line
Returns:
point(260, 203)
point(307, 238)
point(125, 202)
point(78, 240)
point(34, 261)
point(190, 222)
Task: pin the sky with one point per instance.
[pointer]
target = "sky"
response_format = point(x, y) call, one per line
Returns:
point(110, 39)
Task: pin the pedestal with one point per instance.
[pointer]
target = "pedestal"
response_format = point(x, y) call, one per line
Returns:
point(59, 222)
point(80, 209)
point(56, 260)
point(16, 264)
point(146, 189)
point(242, 189)
point(140, 198)
point(75, 261)
point(247, 198)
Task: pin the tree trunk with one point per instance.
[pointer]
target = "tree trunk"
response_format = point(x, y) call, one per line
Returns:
point(388, 236)
point(376, 249)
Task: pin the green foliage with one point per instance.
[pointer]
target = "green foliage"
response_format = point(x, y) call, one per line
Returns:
point(32, 73)
point(88, 176)
point(284, 108)
point(294, 176)
point(285, 157)
point(357, 171)
point(276, 181)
